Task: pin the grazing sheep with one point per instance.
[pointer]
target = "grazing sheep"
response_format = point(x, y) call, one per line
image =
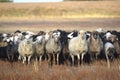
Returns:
point(109, 52)
point(40, 47)
point(78, 46)
point(95, 45)
point(53, 47)
point(26, 49)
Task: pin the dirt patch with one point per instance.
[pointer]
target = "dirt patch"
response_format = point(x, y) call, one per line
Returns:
point(75, 24)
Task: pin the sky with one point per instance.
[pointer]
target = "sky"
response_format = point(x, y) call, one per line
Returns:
point(37, 1)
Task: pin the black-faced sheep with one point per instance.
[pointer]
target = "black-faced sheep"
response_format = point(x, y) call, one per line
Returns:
point(12, 51)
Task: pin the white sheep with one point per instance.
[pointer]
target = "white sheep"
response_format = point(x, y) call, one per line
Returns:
point(108, 36)
point(53, 47)
point(78, 46)
point(100, 30)
point(39, 47)
point(26, 49)
point(109, 52)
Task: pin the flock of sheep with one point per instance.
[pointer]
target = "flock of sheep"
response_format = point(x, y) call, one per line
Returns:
point(27, 46)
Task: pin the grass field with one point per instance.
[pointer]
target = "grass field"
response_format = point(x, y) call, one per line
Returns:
point(59, 10)
point(34, 71)
point(60, 15)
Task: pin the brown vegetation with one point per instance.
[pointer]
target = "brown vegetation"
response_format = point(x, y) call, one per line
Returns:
point(34, 71)
point(82, 9)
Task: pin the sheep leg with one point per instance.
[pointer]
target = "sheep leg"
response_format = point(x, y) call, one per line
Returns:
point(8, 56)
point(97, 56)
point(82, 57)
point(91, 57)
point(72, 60)
point(36, 58)
point(12, 57)
point(78, 59)
point(29, 59)
point(19, 58)
point(57, 58)
point(50, 59)
point(40, 59)
point(24, 59)
point(53, 58)
point(46, 57)
point(108, 62)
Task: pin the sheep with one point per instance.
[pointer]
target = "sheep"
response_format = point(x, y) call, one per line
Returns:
point(116, 44)
point(17, 31)
point(64, 56)
point(78, 46)
point(30, 33)
point(113, 37)
point(39, 47)
point(12, 51)
point(15, 39)
point(108, 36)
point(3, 53)
point(74, 33)
point(109, 51)
point(53, 47)
point(26, 49)
point(95, 45)
point(100, 30)
point(41, 33)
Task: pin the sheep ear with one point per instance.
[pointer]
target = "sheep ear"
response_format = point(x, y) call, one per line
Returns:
point(104, 36)
point(78, 33)
point(50, 33)
point(87, 37)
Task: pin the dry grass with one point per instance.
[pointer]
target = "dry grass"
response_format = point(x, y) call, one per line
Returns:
point(59, 15)
point(59, 10)
point(34, 71)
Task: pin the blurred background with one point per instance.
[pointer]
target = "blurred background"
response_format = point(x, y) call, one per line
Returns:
point(62, 14)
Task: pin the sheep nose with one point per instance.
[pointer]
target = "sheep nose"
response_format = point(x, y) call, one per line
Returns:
point(28, 42)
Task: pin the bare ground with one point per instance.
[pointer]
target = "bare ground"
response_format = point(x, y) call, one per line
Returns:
point(66, 24)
